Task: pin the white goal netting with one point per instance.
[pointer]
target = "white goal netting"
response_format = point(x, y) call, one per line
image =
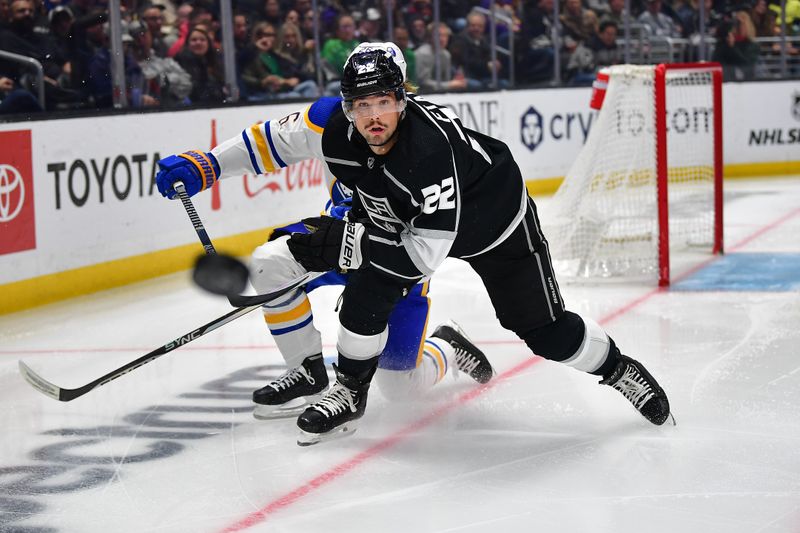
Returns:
point(603, 221)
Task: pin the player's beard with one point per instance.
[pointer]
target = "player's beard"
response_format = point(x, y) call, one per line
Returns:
point(372, 140)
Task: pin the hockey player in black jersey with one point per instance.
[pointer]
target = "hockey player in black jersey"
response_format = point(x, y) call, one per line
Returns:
point(425, 188)
point(410, 364)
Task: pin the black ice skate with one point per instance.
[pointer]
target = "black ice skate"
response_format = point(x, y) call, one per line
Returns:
point(469, 359)
point(633, 380)
point(337, 413)
point(293, 391)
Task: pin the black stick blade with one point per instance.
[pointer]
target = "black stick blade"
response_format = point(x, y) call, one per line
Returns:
point(220, 274)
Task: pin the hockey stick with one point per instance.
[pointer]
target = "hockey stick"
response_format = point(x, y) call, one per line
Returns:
point(205, 240)
point(243, 304)
point(236, 300)
point(180, 188)
point(66, 395)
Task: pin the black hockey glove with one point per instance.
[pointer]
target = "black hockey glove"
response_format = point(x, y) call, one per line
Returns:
point(332, 244)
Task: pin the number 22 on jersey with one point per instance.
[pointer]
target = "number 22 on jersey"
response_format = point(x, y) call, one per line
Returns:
point(439, 196)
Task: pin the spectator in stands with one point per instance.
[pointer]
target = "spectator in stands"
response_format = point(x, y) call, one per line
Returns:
point(736, 48)
point(268, 76)
point(291, 47)
point(471, 52)
point(599, 7)
point(535, 55)
point(20, 38)
point(153, 16)
point(5, 12)
point(418, 31)
point(307, 28)
point(766, 24)
point(164, 82)
point(599, 51)
point(86, 37)
point(100, 83)
point(764, 19)
point(369, 28)
point(243, 44)
point(200, 17)
point(241, 32)
point(16, 100)
point(199, 58)
point(335, 52)
point(401, 40)
point(616, 13)
point(689, 18)
point(503, 9)
point(302, 7)
point(658, 23)
point(792, 16)
point(80, 8)
point(292, 17)
point(61, 20)
point(272, 13)
point(418, 9)
point(426, 63)
point(251, 8)
point(453, 13)
point(179, 25)
point(579, 24)
point(41, 24)
point(298, 60)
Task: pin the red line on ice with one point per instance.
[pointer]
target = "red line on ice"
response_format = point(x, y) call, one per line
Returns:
point(343, 468)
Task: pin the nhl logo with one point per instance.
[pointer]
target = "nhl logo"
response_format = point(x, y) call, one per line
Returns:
point(796, 105)
point(370, 163)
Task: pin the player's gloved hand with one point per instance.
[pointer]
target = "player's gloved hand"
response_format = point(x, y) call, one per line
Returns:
point(340, 210)
point(197, 170)
point(332, 245)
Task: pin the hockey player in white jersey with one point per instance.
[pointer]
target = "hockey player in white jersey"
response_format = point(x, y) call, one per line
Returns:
point(423, 188)
point(409, 363)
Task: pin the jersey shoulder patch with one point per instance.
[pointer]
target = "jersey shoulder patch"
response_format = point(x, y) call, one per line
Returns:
point(321, 111)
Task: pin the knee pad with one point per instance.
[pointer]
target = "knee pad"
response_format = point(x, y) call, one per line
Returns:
point(360, 347)
point(272, 265)
point(578, 342)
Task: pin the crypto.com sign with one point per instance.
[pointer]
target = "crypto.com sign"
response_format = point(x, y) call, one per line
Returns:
point(17, 220)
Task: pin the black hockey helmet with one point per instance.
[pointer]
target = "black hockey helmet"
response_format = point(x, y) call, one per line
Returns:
point(374, 68)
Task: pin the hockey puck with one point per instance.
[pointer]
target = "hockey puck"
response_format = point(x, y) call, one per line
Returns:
point(220, 274)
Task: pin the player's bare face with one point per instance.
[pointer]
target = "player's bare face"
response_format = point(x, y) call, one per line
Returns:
point(376, 118)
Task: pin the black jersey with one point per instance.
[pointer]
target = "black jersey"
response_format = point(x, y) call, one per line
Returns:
point(442, 190)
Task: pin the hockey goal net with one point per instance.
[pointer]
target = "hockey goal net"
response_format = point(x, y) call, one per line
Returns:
point(648, 181)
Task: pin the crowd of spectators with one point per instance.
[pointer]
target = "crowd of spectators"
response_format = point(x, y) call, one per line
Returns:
point(173, 54)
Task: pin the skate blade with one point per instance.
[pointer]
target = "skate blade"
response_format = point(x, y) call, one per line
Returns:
point(286, 410)
point(309, 439)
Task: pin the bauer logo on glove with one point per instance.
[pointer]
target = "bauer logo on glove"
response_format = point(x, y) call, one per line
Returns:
point(330, 244)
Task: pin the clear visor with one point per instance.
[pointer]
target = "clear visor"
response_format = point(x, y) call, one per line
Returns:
point(373, 107)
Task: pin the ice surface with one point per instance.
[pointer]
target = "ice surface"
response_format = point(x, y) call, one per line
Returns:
point(173, 446)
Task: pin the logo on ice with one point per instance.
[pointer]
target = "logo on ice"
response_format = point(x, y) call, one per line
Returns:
point(17, 221)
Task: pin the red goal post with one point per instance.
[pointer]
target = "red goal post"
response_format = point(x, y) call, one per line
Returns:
point(648, 182)
point(715, 70)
